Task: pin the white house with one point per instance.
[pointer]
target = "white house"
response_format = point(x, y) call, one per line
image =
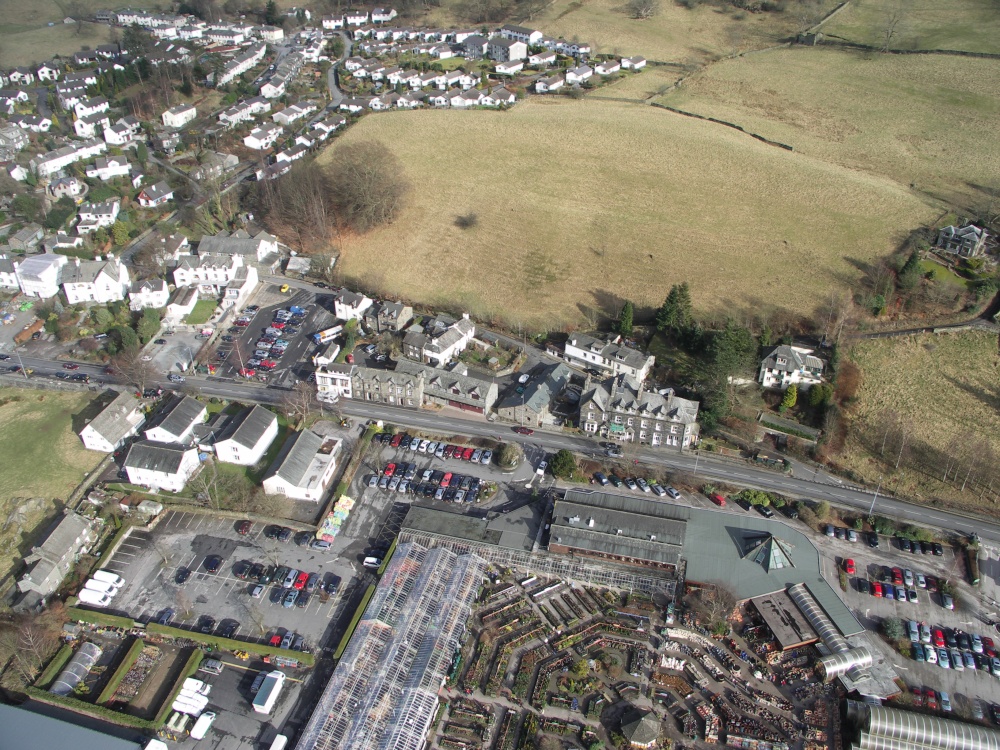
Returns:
point(437, 342)
point(383, 15)
point(255, 248)
point(247, 436)
point(38, 275)
point(208, 271)
point(90, 125)
point(49, 163)
point(65, 187)
point(108, 168)
point(332, 23)
point(241, 63)
point(607, 67)
point(244, 111)
point(263, 137)
point(296, 112)
point(579, 74)
point(8, 273)
point(240, 287)
point(98, 280)
point(271, 33)
point(542, 59)
point(48, 72)
point(91, 106)
point(356, 17)
point(505, 50)
point(116, 422)
point(521, 34)
point(334, 382)
point(160, 466)
point(181, 304)
point(787, 365)
point(179, 116)
point(176, 421)
point(149, 293)
point(611, 356)
point(155, 195)
point(546, 85)
point(509, 68)
point(306, 468)
point(633, 63)
point(34, 123)
point(348, 305)
point(92, 216)
point(51, 561)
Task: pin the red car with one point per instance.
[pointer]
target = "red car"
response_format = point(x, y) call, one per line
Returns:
point(931, 700)
point(275, 641)
point(877, 590)
point(396, 440)
point(467, 454)
point(932, 585)
point(897, 577)
point(248, 372)
point(390, 469)
point(278, 325)
point(718, 499)
point(449, 450)
point(300, 582)
point(244, 527)
point(937, 636)
point(268, 364)
point(446, 479)
point(524, 431)
point(71, 367)
point(989, 648)
point(849, 566)
point(918, 697)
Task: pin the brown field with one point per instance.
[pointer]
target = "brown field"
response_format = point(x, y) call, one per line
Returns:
point(582, 201)
point(43, 459)
point(945, 386)
point(927, 121)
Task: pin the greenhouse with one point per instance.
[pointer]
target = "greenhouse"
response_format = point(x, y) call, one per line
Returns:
point(78, 668)
point(881, 728)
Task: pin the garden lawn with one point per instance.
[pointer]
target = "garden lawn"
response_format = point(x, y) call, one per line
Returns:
point(203, 310)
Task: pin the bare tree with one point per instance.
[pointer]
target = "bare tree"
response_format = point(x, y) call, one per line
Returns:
point(130, 365)
point(150, 260)
point(892, 24)
point(367, 186)
point(642, 8)
point(300, 401)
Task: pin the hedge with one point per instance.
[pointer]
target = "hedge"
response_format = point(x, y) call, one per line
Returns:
point(190, 667)
point(100, 618)
point(388, 555)
point(229, 644)
point(342, 646)
point(63, 655)
point(116, 679)
point(112, 546)
point(98, 712)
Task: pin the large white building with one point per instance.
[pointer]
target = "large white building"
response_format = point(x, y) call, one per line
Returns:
point(790, 365)
point(209, 272)
point(179, 116)
point(100, 281)
point(39, 275)
point(118, 421)
point(161, 466)
point(612, 356)
point(348, 305)
point(306, 468)
point(93, 216)
point(241, 63)
point(247, 436)
point(149, 293)
point(176, 421)
point(108, 168)
point(264, 137)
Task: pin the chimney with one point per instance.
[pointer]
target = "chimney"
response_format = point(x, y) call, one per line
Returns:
point(76, 261)
point(590, 522)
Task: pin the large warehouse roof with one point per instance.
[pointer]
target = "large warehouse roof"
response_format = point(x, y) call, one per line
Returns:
point(25, 729)
point(891, 728)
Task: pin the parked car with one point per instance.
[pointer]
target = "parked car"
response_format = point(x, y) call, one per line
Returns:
point(524, 431)
point(243, 527)
point(673, 493)
point(289, 599)
point(213, 563)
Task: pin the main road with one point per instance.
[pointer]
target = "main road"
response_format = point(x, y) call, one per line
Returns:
point(703, 466)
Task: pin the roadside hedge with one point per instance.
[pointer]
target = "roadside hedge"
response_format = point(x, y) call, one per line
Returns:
point(229, 644)
point(388, 555)
point(112, 546)
point(358, 614)
point(99, 618)
point(116, 679)
point(63, 655)
point(190, 667)
point(89, 709)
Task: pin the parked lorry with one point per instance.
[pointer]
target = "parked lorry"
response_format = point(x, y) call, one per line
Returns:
point(267, 696)
point(28, 331)
point(93, 598)
point(201, 727)
point(108, 577)
point(327, 335)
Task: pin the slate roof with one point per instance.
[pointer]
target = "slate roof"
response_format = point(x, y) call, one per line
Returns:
point(794, 359)
point(610, 350)
point(248, 427)
point(179, 415)
point(88, 271)
point(237, 243)
point(155, 192)
point(148, 286)
point(538, 394)
point(295, 465)
point(165, 458)
point(640, 727)
point(113, 423)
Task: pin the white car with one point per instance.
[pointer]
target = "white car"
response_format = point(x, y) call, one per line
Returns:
point(673, 493)
point(908, 578)
point(540, 471)
point(423, 446)
point(524, 378)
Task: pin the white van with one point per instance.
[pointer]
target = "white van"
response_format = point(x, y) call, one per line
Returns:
point(108, 577)
point(93, 598)
point(201, 727)
point(101, 586)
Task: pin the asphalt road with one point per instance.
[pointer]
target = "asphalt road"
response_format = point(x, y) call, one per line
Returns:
point(818, 487)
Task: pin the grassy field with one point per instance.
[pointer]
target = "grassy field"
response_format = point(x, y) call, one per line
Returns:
point(580, 201)
point(946, 386)
point(202, 311)
point(43, 459)
point(927, 121)
point(968, 25)
point(27, 44)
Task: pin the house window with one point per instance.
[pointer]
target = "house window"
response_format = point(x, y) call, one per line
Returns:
point(630, 421)
point(618, 419)
point(642, 435)
point(642, 424)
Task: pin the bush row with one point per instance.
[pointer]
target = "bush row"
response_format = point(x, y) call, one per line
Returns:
point(99, 618)
point(99, 712)
point(63, 655)
point(229, 644)
point(359, 613)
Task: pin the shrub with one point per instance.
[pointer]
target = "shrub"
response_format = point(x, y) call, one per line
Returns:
point(563, 464)
point(63, 655)
point(892, 628)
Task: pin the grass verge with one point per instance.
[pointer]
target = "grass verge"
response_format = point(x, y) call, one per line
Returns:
point(388, 555)
point(116, 679)
point(99, 618)
point(358, 614)
point(63, 655)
